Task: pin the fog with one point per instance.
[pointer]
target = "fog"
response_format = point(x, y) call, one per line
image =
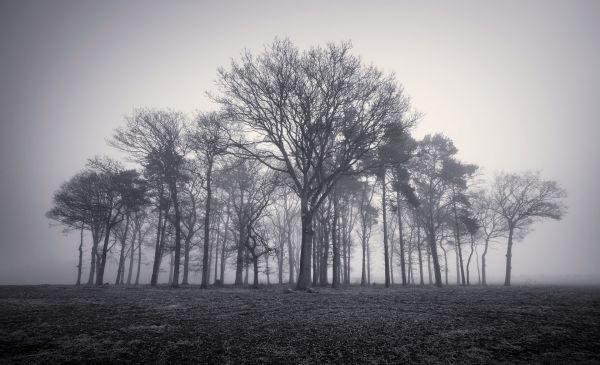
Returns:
point(514, 84)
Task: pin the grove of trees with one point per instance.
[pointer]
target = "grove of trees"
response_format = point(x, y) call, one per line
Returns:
point(307, 159)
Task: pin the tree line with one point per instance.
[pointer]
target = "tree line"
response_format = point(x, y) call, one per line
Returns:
point(308, 152)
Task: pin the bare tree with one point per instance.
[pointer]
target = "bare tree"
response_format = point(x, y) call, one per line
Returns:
point(209, 141)
point(77, 204)
point(523, 199)
point(156, 140)
point(491, 223)
point(305, 109)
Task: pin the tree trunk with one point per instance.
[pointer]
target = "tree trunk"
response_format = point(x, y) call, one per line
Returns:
point(95, 242)
point(100, 268)
point(400, 233)
point(206, 257)
point(176, 261)
point(509, 255)
point(368, 263)
point(363, 278)
point(315, 258)
point(305, 248)
point(291, 259)
point(239, 262)
point(255, 282)
point(171, 268)
point(80, 262)
point(445, 262)
point(434, 256)
point(386, 256)
point(139, 263)
point(131, 257)
point(247, 267)
point(429, 266)
point(483, 280)
point(121, 267)
point(457, 237)
point(324, 281)
point(478, 270)
point(420, 249)
point(335, 281)
point(160, 236)
point(469, 261)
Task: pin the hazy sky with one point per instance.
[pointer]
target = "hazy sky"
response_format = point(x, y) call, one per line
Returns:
point(515, 84)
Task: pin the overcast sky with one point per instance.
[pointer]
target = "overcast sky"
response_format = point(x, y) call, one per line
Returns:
point(515, 84)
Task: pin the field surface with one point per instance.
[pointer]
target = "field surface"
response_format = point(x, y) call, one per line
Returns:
point(58, 324)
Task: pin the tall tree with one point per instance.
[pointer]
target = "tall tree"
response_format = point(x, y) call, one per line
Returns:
point(78, 204)
point(156, 140)
point(305, 108)
point(491, 223)
point(209, 141)
point(521, 200)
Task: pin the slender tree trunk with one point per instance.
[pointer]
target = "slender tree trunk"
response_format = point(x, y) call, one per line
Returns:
point(509, 255)
point(186, 260)
point(429, 266)
point(386, 256)
point(131, 257)
point(255, 262)
point(400, 234)
point(121, 267)
point(325, 232)
point(267, 270)
point(160, 237)
point(478, 270)
point(80, 262)
point(206, 257)
point(246, 256)
point(95, 242)
point(157, 249)
point(217, 258)
point(239, 263)
point(445, 262)
point(457, 237)
point(171, 268)
point(483, 280)
point(363, 279)
point(139, 262)
point(280, 257)
point(335, 282)
point(176, 261)
point(410, 257)
point(420, 253)
point(368, 263)
point(469, 261)
point(100, 269)
point(291, 260)
point(222, 273)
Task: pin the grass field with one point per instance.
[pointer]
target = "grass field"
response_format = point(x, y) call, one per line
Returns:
point(55, 324)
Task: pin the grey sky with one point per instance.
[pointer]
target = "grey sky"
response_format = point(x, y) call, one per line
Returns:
point(516, 85)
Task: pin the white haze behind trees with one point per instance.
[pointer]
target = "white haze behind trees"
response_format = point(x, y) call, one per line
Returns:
point(514, 86)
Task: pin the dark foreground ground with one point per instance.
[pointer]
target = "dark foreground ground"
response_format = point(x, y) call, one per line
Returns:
point(52, 324)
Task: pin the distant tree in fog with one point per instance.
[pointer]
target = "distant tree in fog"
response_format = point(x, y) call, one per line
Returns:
point(156, 140)
point(523, 199)
point(77, 205)
point(209, 140)
point(122, 191)
point(491, 223)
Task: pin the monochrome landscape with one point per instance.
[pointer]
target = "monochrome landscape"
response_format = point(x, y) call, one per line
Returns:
point(316, 182)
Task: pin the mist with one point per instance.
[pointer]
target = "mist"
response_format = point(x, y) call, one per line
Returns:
point(514, 85)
